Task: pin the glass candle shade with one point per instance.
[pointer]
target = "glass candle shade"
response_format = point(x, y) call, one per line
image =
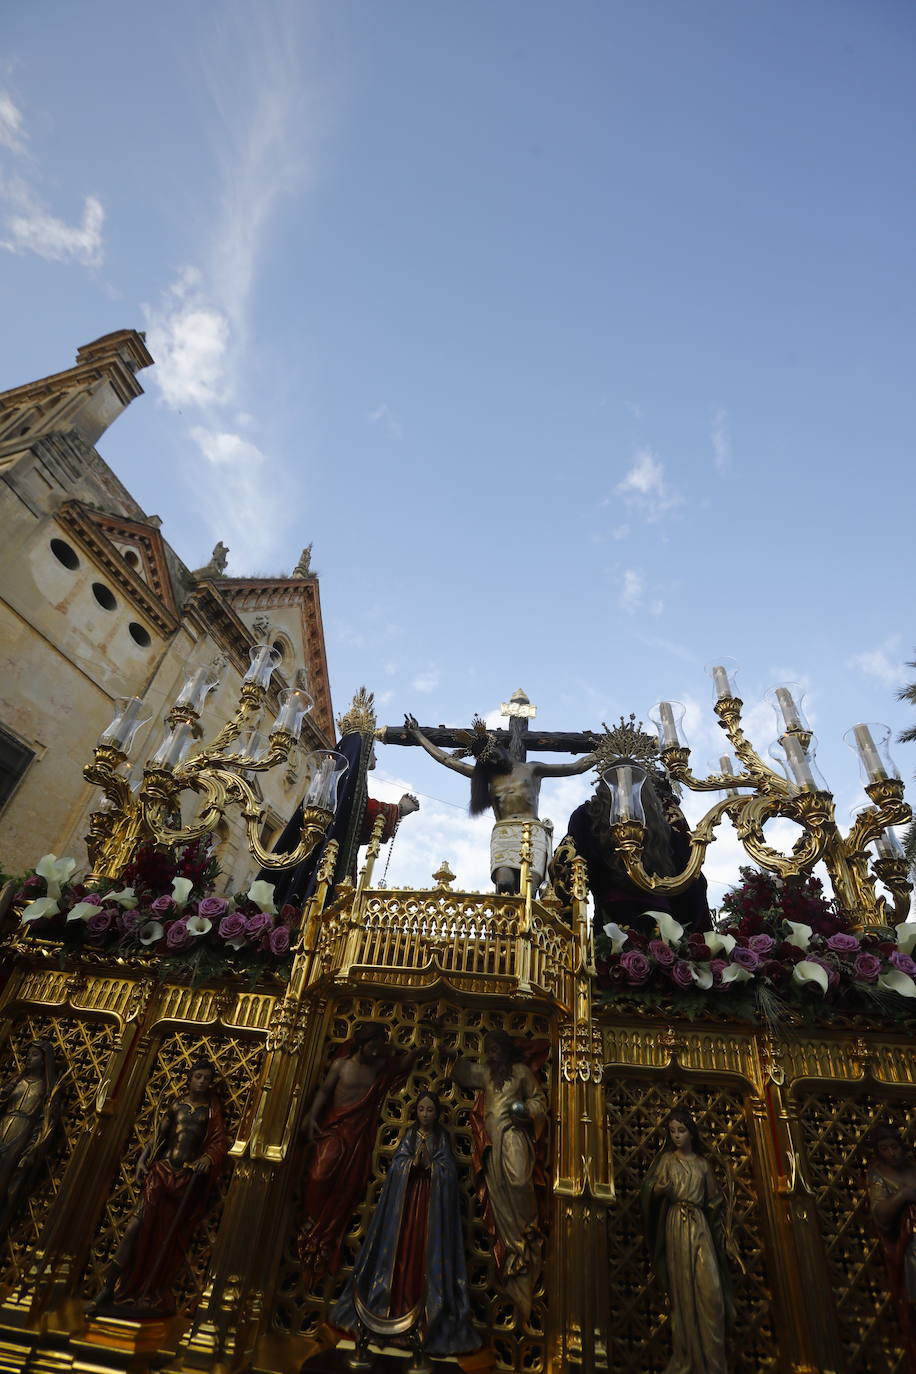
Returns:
point(799, 763)
point(264, 659)
point(726, 767)
point(252, 744)
point(624, 779)
point(889, 847)
point(295, 705)
point(196, 688)
point(668, 719)
point(324, 769)
point(130, 714)
point(870, 743)
point(788, 703)
point(724, 676)
point(175, 748)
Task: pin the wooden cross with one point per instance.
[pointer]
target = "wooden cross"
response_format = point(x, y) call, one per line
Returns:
point(518, 738)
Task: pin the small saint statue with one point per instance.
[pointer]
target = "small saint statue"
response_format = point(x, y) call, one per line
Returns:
point(683, 1211)
point(512, 787)
point(340, 1127)
point(29, 1117)
point(508, 1125)
point(217, 565)
point(178, 1170)
point(410, 1275)
point(304, 567)
point(892, 1202)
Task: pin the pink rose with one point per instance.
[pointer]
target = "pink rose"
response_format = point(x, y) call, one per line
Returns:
point(101, 922)
point(128, 921)
point(258, 924)
point(232, 926)
point(904, 963)
point(843, 943)
point(867, 967)
point(745, 958)
point(95, 898)
point(211, 907)
point(177, 936)
point(278, 940)
point(662, 953)
point(761, 944)
point(636, 965)
point(717, 968)
point(681, 974)
point(162, 905)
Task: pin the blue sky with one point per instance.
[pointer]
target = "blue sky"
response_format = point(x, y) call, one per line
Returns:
point(578, 339)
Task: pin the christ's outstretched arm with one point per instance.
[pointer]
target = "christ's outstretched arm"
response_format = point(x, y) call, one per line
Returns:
point(438, 754)
point(566, 770)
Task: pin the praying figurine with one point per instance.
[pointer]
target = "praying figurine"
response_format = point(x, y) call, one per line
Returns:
point(892, 1202)
point(29, 1117)
point(411, 1264)
point(508, 1127)
point(683, 1212)
point(179, 1169)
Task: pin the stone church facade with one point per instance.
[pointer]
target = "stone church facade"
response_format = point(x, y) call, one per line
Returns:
point(95, 605)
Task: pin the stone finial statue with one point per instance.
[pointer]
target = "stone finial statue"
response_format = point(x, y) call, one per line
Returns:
point(261, 627)
point(217, 565)
point(304, 567)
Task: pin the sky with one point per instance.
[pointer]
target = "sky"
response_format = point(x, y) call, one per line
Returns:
point(578, 340)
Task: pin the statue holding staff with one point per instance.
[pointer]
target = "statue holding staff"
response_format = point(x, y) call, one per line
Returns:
point(29, 1116)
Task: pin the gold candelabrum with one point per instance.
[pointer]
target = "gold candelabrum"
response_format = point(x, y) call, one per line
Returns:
point(219, 774)
point(801, 795)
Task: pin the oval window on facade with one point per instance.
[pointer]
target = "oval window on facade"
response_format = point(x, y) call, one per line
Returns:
point(104, 596)
point(139, 635)
point(65, 553)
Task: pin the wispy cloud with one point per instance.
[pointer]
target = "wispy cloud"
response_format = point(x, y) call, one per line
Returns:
point(29, 226)
point(721, 442)
point(265, 121)
point(884, 663)
point(383, 415)
point(634, 596)
point(645, 487)
point(427, 681)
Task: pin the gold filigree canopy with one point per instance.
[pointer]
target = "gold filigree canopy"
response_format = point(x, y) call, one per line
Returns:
point(359, 716)
point(628, 740)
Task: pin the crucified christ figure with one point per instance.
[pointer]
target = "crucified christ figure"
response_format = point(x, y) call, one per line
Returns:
point(502, 778)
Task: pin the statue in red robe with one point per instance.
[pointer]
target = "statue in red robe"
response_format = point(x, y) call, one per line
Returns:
point(179, 1170)
point(341, 1127)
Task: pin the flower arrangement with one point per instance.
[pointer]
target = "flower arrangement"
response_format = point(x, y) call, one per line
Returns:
point(780, 947)
point(166, 907)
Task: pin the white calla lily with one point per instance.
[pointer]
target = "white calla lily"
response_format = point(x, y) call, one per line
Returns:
point(807, 971)
point(897, 981)
point(237, 941)
point(126, 898)
point(82, 911)
point(799, 936)
point(198, 925)
point(42, 906)
point(617, 937)
point(149, 933)
point(262, 894)
point(668, 928)
point(736, 974)
point(701, 975)
point(55, 872)
point(719, 944)
point(906, 937)
point(181, 888)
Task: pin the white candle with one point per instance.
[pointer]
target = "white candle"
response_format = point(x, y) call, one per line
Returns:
point(789, 709)
point(798, 763)
point(721, 683)
point(725, 766)
point(871, 759)
point(669, 728)
point(624, 791)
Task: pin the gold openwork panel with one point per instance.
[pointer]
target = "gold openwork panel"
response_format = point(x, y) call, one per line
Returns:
point(460, 1031)
point(639, 1337)
point(834, 1122)
point(81, 1051)
point(237, 1062)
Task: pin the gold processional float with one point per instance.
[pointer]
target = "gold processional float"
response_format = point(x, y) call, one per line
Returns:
point(398, 1129)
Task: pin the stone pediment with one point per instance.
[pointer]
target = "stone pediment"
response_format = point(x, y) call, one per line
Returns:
point(110, 540)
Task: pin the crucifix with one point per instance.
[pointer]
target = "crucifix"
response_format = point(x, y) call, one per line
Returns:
point(502, 777)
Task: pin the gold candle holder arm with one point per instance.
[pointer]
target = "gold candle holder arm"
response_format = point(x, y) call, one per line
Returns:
point(894, 873)
point(728, 709)
point(628, 836)
point(315, 821)
point(251, 699)
point(813, 811)
point(676, 761)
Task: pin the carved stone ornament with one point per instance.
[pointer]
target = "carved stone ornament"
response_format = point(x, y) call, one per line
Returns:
point(304, 567)
point(217, 565)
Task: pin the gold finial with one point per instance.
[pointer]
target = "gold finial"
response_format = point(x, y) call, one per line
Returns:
point(360, 715)
point(444, 875)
